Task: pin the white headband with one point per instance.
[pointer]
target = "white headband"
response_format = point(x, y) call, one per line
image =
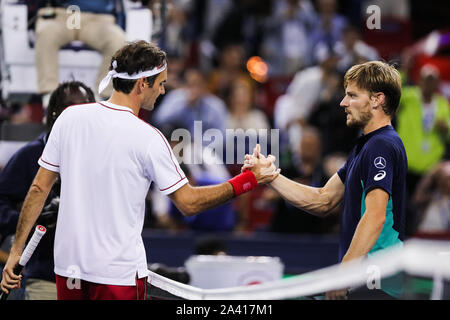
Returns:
point(124, 75)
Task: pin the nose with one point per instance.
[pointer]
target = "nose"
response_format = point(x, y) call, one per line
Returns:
point(344, 102)
point(162, 90)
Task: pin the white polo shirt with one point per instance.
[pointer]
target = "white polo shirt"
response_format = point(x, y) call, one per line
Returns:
point(107, 158)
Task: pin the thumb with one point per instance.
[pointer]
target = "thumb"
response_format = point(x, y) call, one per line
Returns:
point(256, 151)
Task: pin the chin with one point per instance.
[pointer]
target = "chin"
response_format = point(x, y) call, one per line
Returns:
point(353, 124)
point(148, 107)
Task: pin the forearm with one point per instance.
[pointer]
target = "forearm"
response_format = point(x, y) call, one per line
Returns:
point(207, 197)
point(307, 198)
point(366, 235)
point(31, 209)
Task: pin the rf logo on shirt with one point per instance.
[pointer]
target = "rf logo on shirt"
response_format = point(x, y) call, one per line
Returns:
point(380, 163)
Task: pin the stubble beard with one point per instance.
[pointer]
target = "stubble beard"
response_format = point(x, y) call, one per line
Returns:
point(364, 118)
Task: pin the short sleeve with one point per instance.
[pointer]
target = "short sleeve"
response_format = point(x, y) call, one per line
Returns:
point(379, 166)
point(50, 158)
point(162, 166)
point(342, 172)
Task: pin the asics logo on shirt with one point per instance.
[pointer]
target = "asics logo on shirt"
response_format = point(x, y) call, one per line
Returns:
point(380, 175)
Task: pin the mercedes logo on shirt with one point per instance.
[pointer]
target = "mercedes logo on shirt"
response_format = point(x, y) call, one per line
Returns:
point(380, 163)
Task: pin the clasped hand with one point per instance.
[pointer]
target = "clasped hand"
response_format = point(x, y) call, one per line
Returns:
point(263, 168)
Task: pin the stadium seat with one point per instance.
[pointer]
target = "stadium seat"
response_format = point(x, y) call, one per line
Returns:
point(76, 60)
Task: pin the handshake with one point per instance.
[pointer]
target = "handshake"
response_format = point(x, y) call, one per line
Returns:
point(263, 168)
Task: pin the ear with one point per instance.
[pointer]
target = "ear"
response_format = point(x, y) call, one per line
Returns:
point(378, 100)
point(140, 85)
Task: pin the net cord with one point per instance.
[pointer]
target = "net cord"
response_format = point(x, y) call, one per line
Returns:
point(424, 258)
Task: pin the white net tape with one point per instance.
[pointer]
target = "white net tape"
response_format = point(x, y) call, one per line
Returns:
point(423, 258)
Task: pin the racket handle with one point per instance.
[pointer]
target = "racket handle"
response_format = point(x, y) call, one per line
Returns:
point(17, 270)
point(26, 254)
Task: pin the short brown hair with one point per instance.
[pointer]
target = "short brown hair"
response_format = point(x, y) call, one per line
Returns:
point(135, 57)
point(377, 76)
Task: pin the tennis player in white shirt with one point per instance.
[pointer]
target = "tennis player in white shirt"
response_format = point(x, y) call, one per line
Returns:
point(107, 158)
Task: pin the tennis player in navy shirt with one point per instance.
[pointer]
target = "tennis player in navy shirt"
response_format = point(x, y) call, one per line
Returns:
point(371, 184)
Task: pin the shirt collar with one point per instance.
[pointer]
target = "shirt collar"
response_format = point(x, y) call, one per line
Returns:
point(116, 106)
point(365, 137)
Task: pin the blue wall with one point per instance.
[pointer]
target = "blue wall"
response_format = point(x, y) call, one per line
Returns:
point(299, 253)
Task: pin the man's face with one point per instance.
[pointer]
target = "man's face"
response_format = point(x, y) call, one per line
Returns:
point(195, 85)
point(357, 106)
point(429, 84)
point(152, 93)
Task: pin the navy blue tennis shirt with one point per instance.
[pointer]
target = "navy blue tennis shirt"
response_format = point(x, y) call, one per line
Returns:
point(378, 160)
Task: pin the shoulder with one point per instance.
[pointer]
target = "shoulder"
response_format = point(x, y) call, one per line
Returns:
point(33, 146)
point(81, 107)
point(409, 92)
point(260, 116)
point(153, 136)
point(76, 109)
point(215, 102)
point(175, 96)
point(442, 101)
point(28, 153)
point(388, 143)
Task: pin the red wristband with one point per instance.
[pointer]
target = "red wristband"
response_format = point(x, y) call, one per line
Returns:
point(243, 182)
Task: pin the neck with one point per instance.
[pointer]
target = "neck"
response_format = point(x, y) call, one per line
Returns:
point(427, 97)
point(127, 100)
point(376, 124)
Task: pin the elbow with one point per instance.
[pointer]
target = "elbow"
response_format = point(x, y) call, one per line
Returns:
point(326, 205)
point(189, 210)
point(36, 189)
point(325, 212)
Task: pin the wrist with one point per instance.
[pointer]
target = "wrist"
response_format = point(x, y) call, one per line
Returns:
point(243, 182)
point(274, 181)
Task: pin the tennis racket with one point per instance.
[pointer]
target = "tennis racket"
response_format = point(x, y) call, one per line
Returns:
point(26, 255)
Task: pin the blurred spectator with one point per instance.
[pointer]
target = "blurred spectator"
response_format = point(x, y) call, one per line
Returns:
point(432, 197)
point(229, 70)
point(243, 23)
point(330, 24)
point(175, 36)
point(202, 165)
point(287, 32)
point(58, 25)
point(245, 120)
point(16, 179)
point(303, 95)
point(330, 119)
point(175, 72)
point(204, 18)
point(306, 168)
point(423, 124)
point(243, 114)
point(352, 50)
point(181, 107)
point(30, 111)
point(20, 113)
point(221, 218)
point(175, 80)
point(399, 9)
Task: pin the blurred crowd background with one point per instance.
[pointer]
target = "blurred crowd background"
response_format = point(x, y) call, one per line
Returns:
point(266, 64)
